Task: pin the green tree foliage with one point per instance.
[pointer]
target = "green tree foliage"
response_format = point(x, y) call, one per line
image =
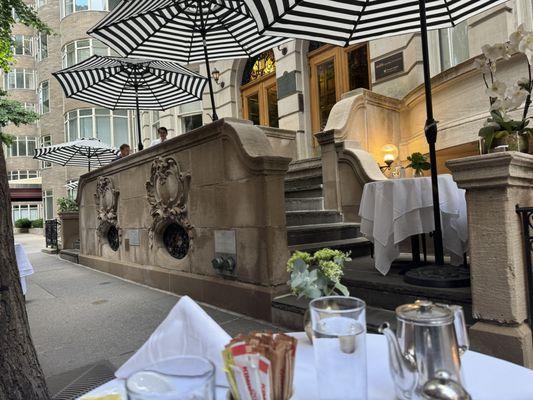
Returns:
point(25, 15)
point(13, 112)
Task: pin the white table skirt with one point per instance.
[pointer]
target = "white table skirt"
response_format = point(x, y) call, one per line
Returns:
point(24, 265)
point(395, 209)
point(486, 378)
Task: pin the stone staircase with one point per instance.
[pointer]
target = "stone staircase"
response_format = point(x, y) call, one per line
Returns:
point(309, 226)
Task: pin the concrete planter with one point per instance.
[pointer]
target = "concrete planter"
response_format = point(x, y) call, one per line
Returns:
point(69, 228)
point(21, 230)
point(37, 231)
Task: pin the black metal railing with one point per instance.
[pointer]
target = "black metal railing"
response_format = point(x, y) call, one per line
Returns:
point(526, 218)
point(50, 231)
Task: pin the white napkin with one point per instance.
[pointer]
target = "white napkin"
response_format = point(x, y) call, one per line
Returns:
point(187, 330)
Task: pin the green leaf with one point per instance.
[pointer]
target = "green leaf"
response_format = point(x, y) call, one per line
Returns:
point(500, 134)
point(299, 265)
point(343, 289)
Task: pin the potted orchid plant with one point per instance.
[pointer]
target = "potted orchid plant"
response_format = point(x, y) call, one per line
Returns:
point(502, 128)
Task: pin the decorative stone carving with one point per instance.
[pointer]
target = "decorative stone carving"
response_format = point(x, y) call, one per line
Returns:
point(168, 194)
point(106, 198)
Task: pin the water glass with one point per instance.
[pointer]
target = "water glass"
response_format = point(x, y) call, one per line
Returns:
point(339, 342)
point(176, 378)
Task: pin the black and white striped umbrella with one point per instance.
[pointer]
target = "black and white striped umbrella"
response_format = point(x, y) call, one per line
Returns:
point(124, 83)
point(343, 22)
point(86, 152)
point(183, 31)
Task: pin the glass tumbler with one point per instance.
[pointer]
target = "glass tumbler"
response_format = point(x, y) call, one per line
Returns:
point(339, 342)
point(176, 378)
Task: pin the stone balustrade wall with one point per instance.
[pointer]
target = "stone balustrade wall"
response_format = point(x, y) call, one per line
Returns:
point(222, 184)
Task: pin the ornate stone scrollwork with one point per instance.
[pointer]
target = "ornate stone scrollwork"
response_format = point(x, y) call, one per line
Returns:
point(168, 194)
point(106, 198)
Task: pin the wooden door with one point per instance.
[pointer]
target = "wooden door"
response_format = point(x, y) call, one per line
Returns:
point(260, 101)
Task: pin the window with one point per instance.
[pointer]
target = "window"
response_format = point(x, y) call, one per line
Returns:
point(44, 142)
point(29, 106)
point(19, 78)
point(22, 45)
point(42, 47)
point(15, 15)
point(155, 116)
point(22, 146)
point(30, 211)
point(80, 50)
point(22, 174)
point(111, 127)
point(44, 97)
point(48, 201)
point(72, 189)
point(71, 6)
point(39, 3)
point(190, 116)
point(453, 45)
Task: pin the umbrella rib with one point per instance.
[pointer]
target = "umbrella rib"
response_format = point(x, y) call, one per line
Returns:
point(155, 97)
point(356, 23)
point(449, 13)
point(72, 156)
point(234, 38)
point(121, 91)
point(161, 78)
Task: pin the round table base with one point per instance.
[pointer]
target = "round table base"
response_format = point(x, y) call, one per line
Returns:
point(440, 276)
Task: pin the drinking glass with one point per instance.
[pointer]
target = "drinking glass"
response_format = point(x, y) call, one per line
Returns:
point(339, 342)
point(176, 378)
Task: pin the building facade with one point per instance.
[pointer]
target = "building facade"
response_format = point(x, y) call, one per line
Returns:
point(369, 93)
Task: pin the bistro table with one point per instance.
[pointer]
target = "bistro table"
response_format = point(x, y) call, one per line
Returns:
point(486, 378)
point(395, 209)
point(24, 265)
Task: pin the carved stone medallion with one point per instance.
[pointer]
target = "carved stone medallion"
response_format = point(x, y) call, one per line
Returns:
point(168, 194)
point(106, 198)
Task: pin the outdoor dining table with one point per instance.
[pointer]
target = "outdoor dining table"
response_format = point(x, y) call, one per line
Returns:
point(486, 378)
point(393, 210)
point(24, 266)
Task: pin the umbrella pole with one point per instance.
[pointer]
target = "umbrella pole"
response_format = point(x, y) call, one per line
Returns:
point(208, 67)
point(138, 116)
point(431, 136)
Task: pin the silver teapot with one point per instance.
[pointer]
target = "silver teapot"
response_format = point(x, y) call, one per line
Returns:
point(430, 338)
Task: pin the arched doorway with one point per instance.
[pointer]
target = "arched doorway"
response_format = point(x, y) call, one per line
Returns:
point(334, 70)
point(259, 90)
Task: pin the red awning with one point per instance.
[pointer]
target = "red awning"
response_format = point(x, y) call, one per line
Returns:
point(29, 194)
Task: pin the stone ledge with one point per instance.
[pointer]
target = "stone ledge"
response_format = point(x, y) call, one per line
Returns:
point(505, 169)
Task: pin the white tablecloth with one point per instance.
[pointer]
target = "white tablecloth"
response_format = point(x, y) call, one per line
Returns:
point(395, 209)
point(486, 378)
point(24, 265)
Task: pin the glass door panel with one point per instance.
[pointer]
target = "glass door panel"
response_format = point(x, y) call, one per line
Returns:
point(327, 93)
point(272, 106)
point(358, 71)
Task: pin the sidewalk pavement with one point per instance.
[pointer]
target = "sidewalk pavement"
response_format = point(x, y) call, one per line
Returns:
point(79, 316)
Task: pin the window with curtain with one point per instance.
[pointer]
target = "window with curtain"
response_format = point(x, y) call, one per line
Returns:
point(44, 97)
point(71, 6)
point(23, 45)
point(42, 47)
point(453, 45)
point(22, 174)
point(30, 211)
point(19, 78)
point(111, 127)
point(79, 50)
point(44, 142)
point(22, 146)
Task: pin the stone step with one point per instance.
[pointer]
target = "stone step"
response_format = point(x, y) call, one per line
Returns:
point(319, 233)
point(390, 291)
point(302, 182)
point(305, 164)
point(303, 204)
point(288, 312)
point(295, 218)
point(314, 191)
point(357, 247)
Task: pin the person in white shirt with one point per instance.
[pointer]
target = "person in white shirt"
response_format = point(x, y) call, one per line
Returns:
point(162, 133)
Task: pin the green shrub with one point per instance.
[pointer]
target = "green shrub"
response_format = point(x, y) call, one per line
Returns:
point(37, 223)
point(65, 204)
point(23, 223)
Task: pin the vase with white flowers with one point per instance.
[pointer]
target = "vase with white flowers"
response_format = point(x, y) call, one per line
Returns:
point(507, 125)
point(316, 275)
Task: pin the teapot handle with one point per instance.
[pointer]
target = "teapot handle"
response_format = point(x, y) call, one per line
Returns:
point(461, 331)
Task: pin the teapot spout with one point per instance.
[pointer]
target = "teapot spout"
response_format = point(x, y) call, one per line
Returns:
point(402, 366)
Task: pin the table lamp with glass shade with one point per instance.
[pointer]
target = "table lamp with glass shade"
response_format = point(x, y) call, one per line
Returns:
point(390, 154)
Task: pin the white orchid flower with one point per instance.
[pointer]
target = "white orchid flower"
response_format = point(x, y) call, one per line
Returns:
point(496, 90)
point(495, 52)
point(515, 96)
point(482, 65)
point(526, 46)
point(515, 38)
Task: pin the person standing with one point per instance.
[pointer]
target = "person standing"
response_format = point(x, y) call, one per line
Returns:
point(162, 133)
